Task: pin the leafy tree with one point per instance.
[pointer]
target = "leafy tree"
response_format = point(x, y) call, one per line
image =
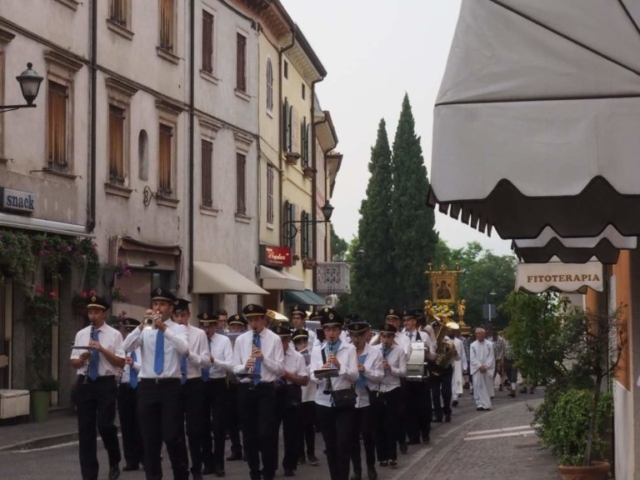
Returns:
point(339, 247)
point(414, 237)
point(374, 270)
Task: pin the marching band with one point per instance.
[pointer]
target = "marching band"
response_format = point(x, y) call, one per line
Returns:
point(192, 388)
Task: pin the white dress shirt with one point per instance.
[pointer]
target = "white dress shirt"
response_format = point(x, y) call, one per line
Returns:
point(348, 372)
point(397, 361)
point(110, 339)
point(198, 352)
point(294, 363)
point(273, 355)
point(175, 345)
point(126, 371)
point(222, 352)
point(373, 373)
point(309, 390)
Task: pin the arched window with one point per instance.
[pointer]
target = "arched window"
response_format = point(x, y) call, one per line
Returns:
point(269, 85)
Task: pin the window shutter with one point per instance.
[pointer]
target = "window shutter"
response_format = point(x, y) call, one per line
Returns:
point(241, 47)
point(207, 173)
point(207, 42)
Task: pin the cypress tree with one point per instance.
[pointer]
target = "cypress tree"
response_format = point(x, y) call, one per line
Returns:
point(414, 237)
point(374, 269)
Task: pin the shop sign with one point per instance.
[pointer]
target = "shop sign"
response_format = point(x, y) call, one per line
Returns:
point(17, 201)
point(276, 256)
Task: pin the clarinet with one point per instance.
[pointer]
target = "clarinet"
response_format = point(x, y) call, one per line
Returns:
point(328, 385)
point(86, 374)
point(255, 345)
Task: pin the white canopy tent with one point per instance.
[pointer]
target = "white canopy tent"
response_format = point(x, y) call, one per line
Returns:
point(537, 119)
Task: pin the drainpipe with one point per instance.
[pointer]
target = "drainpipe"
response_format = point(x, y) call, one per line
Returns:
point(314, 181)
point(91, 186)
point(192, 95)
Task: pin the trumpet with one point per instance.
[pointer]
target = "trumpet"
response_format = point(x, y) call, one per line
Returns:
point(149, 321)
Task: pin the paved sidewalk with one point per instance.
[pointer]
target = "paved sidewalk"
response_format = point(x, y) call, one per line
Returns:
point(59, 429)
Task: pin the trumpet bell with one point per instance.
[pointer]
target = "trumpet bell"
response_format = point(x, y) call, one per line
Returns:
point(451, 325)
point(148, 322)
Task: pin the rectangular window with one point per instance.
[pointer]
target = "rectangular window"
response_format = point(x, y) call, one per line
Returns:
point(270, 193)
point(207, 174)
point(167, 16)
point(304, 91)
point(241, 166)
point(207, 42)
point(57, 126)
point(241, 62)
point(116, 145)
point(165, 152)
point(118, 12)
point(286, 69)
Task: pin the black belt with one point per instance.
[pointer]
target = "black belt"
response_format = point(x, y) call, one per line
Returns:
point(260, 384)
point(103, 378)
point(219, 379)
point(159, 381)
point(193, 380)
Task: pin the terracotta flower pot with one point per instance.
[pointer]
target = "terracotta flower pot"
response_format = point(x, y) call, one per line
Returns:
point(596, 471)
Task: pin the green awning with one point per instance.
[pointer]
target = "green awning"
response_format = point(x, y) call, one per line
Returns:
point(303, 297)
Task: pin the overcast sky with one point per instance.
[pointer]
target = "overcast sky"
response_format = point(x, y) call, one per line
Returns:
point(374, 52)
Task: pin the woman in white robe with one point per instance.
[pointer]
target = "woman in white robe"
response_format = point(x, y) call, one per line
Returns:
point(483, 364)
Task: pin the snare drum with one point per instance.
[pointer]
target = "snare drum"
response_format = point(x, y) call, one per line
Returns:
point(417, 363)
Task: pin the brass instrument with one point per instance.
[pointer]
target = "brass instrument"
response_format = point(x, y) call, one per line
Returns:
point(445, 349)
point(149, 321)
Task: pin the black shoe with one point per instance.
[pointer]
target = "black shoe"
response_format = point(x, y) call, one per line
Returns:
point(393, 464)
point(384, 463)
point(371, 473)
point(302, 461)
point(426, 439)
point(403, 448)
point(454, 403)
point(312, 460)
point(220, 472)
point(289, 473)
point(208, 470)
point(114, 472)
point(196, 476)
point(413, 441)
point(447, 419)
point(356, 476)
point(234, 457)
point(130, 468)
point(437, 419)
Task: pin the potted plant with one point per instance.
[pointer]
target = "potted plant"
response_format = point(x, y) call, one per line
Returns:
point(575, 421)
point(41, 313)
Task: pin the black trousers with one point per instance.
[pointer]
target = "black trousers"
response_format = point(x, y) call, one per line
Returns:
point(232, 421)
point(192, 401)
point(336, 425)
point(96, 404)
point(258, 421)
point(387, 424)
point(129, 424)
point(363, 427)
point(417, 421)
point(162, 420)
point(213, 425)
point(441, 391)
point(290, 418)
point(308, 431)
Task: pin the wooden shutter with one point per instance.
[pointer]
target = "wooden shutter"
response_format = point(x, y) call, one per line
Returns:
point(269, 85)
point(303, 235)
point(241, 59)
point(164, 160)
point(270, 194)
point(207, 173)
point(116, 145)
point(166, 24)
point(241, 206)
point(307, 143)
point(290, 130)
point(207, 42)
point(57, 126)
point(292, 215)
point(285, 125)
point(118, 12)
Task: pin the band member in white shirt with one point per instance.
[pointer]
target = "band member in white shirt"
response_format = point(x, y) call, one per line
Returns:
point(96, 390)
point(258, 353)
point(288, 400)
point(418, 413)
point(369, 375)
point(237, 324)
point(215, 396)
point(298, 317)
point(335, 397)
point(308, 408)
point(192, 390)
point(159, 410)
point(389, 397)
point(128, 403)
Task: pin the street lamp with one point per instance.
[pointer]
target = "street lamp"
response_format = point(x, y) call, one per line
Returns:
point(491, 295)
point(29, 81)
point(290, 229)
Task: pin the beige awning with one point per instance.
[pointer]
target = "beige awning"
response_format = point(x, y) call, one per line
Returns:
point(221, 278)
point(275, 280)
